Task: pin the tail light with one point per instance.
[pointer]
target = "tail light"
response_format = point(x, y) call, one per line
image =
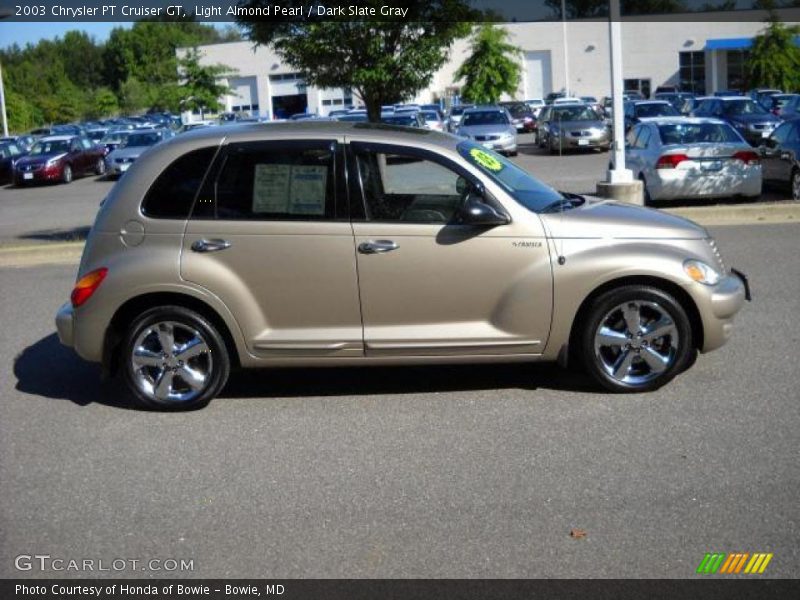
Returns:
point(670, 161)
point(86, 286)
point(748, 157)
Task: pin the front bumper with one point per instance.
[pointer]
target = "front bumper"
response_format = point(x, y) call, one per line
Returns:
point(597, 141)
point(721, 304)
point(65, 324)
point(501, 145)
point(52, 173)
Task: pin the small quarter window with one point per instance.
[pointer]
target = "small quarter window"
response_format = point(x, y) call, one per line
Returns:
point(172, 194)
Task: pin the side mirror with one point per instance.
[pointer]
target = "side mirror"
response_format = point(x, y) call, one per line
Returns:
point(476, 212)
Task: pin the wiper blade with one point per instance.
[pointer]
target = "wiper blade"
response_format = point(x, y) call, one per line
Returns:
point(567, 202)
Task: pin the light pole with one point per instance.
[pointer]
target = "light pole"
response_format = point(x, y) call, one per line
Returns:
point(566, 46)
point(3, 103)
point(619, 184)
point(618, 172)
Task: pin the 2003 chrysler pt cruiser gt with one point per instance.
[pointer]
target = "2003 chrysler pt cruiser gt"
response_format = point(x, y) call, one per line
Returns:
point(323, 244)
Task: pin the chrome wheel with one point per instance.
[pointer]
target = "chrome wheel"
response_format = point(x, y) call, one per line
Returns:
point(100, 167)
point(636, 342)
point(796, 185)
point(67, 174)
point(171, 362)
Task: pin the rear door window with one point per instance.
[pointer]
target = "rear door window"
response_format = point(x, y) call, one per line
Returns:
point(172, 194)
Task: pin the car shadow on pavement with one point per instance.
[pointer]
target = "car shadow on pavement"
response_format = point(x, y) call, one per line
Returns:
point(51, 370)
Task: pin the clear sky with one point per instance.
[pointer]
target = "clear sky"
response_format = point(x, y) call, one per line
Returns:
point(23, 33)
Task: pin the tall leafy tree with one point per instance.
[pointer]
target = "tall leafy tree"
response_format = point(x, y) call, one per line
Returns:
point(774, 58)
point(200, 88)
point(492, 68)
point(383, 61)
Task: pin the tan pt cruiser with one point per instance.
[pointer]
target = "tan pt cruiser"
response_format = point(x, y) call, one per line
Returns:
point(327, 244)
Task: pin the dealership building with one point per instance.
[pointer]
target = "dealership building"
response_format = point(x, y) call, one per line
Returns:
point(699, 56)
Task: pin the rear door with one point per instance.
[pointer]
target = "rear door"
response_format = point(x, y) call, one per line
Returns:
point(269, 238)
point(430, 286)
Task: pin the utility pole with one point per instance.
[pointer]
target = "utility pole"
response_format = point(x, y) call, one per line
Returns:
point(566, 46)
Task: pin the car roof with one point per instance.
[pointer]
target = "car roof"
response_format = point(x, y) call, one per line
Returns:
point(309, 129)
point(58, 138)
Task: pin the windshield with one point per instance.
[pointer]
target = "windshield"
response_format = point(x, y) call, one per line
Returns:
point(51, 147)
point(656, 110)
point(743, 107)
point(115, 137)
point(458, 110)
point(430, 115)
point(519, 110)
point(143, 139)
point(484, 117)
point(408, 120)
point(574, 113)
point(698, 133)
point(525, 189)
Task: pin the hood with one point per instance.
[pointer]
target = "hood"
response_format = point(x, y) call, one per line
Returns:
point(578, 125)
point(128, 152)
point(767, 118)
point(599, 218)
point(485, 129)
point(39, 159)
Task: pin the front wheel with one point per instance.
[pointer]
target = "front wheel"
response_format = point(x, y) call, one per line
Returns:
point(66, 174)
point(796, 184)
point(174, 359)
point(100, 167)
point(635, 339)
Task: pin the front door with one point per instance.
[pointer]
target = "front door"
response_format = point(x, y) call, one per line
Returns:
point(268, 238)
point(430, 286)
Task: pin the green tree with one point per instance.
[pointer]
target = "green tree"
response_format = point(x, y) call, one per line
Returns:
point(774, 58)
point(105, 103)
point(200, 88)
point(492, 68)
point(134, 96)
point(383, 62)
point(22, 115)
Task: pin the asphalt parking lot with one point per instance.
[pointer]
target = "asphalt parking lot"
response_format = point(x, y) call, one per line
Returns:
point(410, 472)
point(48, 213)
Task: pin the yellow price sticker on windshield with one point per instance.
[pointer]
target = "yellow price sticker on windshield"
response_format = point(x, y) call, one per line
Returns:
point(486, 160)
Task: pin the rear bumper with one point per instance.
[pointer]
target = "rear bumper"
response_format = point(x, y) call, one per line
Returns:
point(65, 324)
point(674, 184)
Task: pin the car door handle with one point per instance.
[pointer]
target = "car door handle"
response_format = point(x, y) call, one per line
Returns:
point(377, 246)
point(210, 245)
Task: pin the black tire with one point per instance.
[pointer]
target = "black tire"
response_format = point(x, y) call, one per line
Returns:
point(217, 358)
point(66, 174)
point(514, 153)
point(794, 182)
point(677, 347)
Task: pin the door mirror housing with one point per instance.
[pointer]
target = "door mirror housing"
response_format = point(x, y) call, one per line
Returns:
point(475, 211)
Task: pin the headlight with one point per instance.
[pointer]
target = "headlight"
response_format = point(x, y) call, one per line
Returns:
point(51, 162)
point(700, 272)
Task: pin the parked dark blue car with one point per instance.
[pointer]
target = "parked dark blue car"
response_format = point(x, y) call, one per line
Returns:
point(754, 122)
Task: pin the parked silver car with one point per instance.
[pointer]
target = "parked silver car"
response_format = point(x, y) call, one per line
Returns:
point(490, 126)
point(678, 157)
point(570, 127)
point(138, 141)
point(327, 244)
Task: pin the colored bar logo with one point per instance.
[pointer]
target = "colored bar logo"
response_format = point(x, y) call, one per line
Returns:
point(734, 563)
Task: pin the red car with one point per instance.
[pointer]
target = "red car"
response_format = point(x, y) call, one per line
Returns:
point(59, 158)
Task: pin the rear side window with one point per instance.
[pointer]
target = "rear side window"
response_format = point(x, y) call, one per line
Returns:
point(173, 192)
point(275, 181)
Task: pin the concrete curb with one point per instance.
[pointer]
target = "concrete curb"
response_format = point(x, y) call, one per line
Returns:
point(66, 253)
point(740, 214)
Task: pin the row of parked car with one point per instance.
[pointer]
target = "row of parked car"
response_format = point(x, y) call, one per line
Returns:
point(63, 152)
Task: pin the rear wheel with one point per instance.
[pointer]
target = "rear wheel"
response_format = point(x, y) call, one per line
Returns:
point(66, 174)
point(635, 339)
point(174, 359)
point(796, 184)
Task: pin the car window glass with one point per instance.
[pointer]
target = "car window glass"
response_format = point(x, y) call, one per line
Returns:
point(643, 138)
point(407, 188)
point(277, 182)
point(697, 133)
point(781, 134)
point(86, 143)
point(484, 117)
point(173, 192)
point(75, 146)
